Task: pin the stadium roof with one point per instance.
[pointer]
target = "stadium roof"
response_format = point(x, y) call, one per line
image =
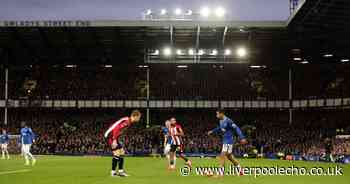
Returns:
point(323, 27)
point(321, 15)
point(107, 42)
point(316, 29)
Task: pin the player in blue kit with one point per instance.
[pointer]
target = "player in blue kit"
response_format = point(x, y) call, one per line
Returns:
point(27, 139)
point(228, 128)
point(167, 140)
point(4, 141)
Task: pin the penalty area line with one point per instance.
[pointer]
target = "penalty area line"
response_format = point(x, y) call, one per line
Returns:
point(14, 172)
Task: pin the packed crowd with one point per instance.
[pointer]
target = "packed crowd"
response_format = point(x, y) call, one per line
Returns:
point(231, 82)
point(81, 131)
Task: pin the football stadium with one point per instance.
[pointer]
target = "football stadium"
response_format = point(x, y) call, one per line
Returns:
point(225, 91)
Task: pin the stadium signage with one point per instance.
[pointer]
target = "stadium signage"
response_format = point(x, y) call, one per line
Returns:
point(48, 23)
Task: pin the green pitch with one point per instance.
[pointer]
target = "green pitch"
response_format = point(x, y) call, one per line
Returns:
point(96, 170)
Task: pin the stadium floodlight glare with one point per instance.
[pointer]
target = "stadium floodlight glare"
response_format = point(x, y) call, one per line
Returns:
point(214, 52)
point(205, 12)
point(163, 11)
point(182, 66)
point(304, 62)
point(156, 52)
point(258, 66)
point(220, 12)
point(148, 12)
point(191, 52)
point(143, 66)
point(345, 60)
point(71, 66)
point(241, 52)
point(178, 11)
point(297, 59)
point(201, 52)
point(328, 55)
point(189, 12)
point(108, 66)
point(227, 52)
point(179, 52)
point(167, 51)
point(241, 29)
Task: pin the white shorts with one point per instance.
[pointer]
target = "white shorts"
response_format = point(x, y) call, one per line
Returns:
point(227, 148)
point(167, 149)
point(26, 148)
point(4, 146)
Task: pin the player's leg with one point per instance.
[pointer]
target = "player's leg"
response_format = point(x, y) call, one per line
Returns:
point(182, 155)
point(121, 171)
point(2, 151)
point(114, 166)
point(172, 156)
point(25, 149)
point(233, 160)
point(6, 151)
point(118, 160)
point(31, 155)
point(229, 156)
point(224, 152)
point(167, 153)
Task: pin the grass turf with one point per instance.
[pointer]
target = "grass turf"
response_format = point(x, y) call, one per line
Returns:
point(96, 170)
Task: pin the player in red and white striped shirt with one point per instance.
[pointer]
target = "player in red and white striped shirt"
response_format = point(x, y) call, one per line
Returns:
point(113, 133)
point(176, 134)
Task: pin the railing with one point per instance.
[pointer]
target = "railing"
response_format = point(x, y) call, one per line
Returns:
point(242, 104)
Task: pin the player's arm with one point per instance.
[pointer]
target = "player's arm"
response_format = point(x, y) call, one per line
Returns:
point(239, 133)
point(181, 132)
point(32, 135)
point(220, 128)
point(21, 136)
point(165, 140)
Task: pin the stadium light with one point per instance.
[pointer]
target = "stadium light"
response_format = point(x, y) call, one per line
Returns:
point(179, 52)
point(189, 12)
point(328, 55)
point(241, 29)
point(258, 66)
point(214, 52)
point(220, 12)
point(191, 52)
point(297, 59)
point(182, 66)
point(178, 11)
point(227, 52)
point(143, 66)
point(163, 11)
point(108, 66)
point(156, 52)
point(345, 60)
point(201, 52)
point(148, 12)
point(71, 66)
point(304, 62)
point(205, 12)
point(167, 51)
point(241, 52)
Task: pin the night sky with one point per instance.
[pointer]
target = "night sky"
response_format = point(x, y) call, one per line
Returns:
point(131, 9)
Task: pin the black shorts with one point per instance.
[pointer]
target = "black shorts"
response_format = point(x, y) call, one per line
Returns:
point(173, 148)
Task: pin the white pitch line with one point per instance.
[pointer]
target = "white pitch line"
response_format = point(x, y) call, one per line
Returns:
point(14, 172)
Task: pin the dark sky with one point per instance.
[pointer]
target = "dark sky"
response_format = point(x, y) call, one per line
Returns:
point(131, 9)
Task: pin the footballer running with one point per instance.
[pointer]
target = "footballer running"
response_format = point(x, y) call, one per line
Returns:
point(227, 127)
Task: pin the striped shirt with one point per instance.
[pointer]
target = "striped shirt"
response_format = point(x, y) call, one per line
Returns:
point(176, 139)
